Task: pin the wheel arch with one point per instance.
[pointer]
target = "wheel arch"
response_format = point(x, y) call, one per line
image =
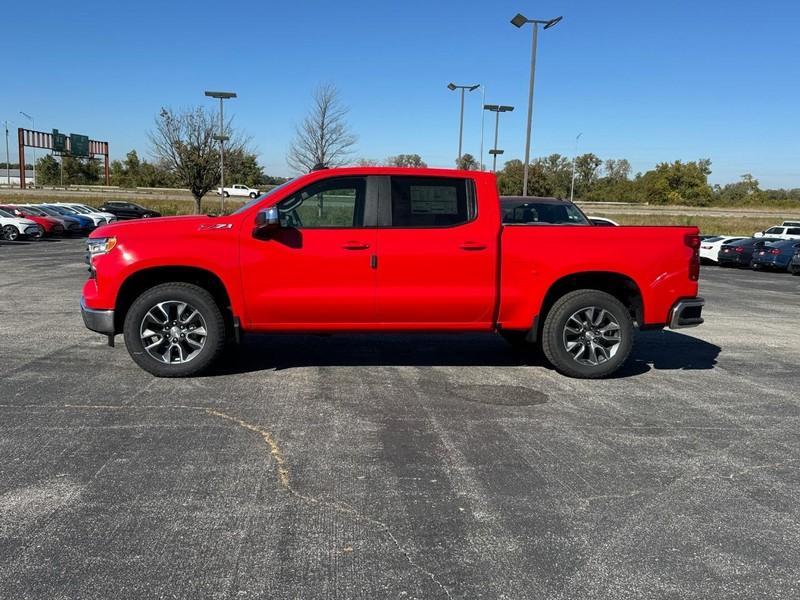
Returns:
point(621, 286)
point(140, 281)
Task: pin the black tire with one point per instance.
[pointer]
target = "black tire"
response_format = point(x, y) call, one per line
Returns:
point(226, 194)
point(252, 195)
point(554, 336)
point(201, 300)
point(10, 233)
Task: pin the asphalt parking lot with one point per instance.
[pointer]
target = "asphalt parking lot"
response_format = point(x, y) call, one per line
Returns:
point(398, 467)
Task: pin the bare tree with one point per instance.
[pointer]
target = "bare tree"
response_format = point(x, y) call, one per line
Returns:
point(185, 142)
point(324, 137)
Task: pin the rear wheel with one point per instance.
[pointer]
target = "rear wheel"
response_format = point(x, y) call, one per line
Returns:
point(10, 233)
point(226, 194)
point(587, 334)
point(174, 330)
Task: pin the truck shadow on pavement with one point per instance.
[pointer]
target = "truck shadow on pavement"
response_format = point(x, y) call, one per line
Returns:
point(660, 350)
point(668, 350)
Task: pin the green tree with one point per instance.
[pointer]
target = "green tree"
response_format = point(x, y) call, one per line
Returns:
point(587, 168)
point(467, 163)
point(241, 166)
point(48, 171)
point(617, 169)
point(510, 179)
point(677, 183)
point(406, 160)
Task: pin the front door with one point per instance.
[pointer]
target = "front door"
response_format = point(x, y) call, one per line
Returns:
point(316, 271)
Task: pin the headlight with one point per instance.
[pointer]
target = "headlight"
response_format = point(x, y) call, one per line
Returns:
point(98, 246)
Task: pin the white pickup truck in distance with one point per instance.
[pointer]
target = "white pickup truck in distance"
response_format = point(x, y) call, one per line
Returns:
point(239, 190)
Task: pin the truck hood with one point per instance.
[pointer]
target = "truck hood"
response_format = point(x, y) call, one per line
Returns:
point(160, 225)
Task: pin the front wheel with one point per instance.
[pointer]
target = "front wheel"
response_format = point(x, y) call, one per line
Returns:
point(174, 330)
point(252, 195)
point(10, 233)
point(587, 334)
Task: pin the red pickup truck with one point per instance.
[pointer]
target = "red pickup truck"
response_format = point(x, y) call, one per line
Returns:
point(387, 249)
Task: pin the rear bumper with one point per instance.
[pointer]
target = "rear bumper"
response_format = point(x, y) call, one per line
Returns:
point(686, 313)
point(101, 321)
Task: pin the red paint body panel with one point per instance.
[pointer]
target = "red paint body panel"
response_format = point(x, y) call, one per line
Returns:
point(476, 276)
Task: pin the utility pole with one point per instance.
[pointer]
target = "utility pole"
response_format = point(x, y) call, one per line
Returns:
point(518, 21)
point(8, 165)
point(574, 156)
point(221, 138)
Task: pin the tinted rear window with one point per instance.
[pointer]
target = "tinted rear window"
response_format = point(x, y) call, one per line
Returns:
point(532, 213)
point(431, 202)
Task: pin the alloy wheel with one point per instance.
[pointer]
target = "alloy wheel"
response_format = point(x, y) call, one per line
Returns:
point(173, 332)
point(591, 336)
point(10, 233)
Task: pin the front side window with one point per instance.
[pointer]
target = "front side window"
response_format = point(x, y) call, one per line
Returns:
point(336, 203)
point(431, 202)
point(777, 230)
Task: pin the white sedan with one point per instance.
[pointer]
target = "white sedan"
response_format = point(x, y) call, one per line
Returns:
point(99, 217)
point(710, 247)
point(13, 227)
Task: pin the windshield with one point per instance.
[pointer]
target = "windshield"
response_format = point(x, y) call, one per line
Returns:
point(5, 214)
point(50, 211)
point(520, 211)
point(35, 211)
point(79, 209)
point(258, 199)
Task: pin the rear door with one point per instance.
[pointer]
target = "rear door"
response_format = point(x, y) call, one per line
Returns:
point(436, 260)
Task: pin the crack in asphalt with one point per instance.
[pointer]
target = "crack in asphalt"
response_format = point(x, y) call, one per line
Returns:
point(281, 468)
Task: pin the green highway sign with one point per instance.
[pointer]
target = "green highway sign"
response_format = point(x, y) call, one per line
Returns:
point(79, 144)
point(59, 141)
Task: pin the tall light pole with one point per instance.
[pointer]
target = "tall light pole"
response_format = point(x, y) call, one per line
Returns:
point(33, 126)
point(221, 137)
point(496, 109)
point(483, 102)
point(8, 166)
point(518, 21)
point(574, 156)
point(470, 88)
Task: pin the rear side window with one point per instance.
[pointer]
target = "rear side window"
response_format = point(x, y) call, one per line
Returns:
point(793, 231)
point(432, 201)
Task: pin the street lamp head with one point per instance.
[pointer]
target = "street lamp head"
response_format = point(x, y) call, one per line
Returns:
point(519, 20)
point(552, 22)
point(451, 86)
point(492, 107)
point(505, 108)
point(222, 95)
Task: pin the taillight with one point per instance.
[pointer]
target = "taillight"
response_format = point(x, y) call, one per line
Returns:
point(739, 249)
point(775, 251)
point(693, 241)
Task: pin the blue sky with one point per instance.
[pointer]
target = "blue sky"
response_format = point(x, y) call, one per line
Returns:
point(648, 81)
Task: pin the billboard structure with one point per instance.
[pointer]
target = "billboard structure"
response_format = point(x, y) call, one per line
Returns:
point(74, 144)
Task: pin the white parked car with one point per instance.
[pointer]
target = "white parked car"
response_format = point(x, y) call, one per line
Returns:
point(603, 222)
point(710, 247)
point(98, 216)
point(13, 227)
point(239, 190)
point(782, 232)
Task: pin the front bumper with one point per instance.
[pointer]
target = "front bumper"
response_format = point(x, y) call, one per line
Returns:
point(686, 313)
point(101, 321)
